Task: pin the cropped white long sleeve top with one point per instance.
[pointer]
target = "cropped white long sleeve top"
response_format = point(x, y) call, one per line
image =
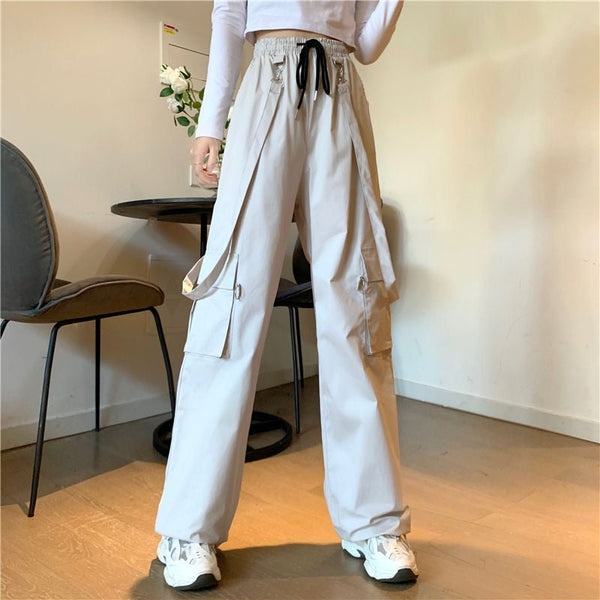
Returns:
point(365, 26)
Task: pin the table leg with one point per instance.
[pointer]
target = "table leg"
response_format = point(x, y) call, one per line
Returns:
point(203, 234)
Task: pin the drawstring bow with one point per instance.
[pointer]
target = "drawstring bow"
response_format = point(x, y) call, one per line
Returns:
point(302, 70)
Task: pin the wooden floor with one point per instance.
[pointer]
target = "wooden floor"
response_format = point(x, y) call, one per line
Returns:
point(499, 511)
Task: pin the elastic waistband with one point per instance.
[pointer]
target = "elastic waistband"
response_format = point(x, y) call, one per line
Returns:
point(285, 45)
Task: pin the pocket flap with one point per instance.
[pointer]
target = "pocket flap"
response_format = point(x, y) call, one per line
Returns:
point(210, 321)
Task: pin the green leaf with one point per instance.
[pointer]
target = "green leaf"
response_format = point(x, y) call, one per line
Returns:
point(191, 130)
point(183, 121)
point(196, 118)
point(201, 94)
point(178, 96)
point(196, 105)
point(166, 92)
point(186, 97)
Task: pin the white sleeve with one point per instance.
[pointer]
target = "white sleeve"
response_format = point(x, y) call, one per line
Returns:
point(375, 25)
point(224, 63)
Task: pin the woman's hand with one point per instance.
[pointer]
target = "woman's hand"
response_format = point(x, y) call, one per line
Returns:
point(202, 147)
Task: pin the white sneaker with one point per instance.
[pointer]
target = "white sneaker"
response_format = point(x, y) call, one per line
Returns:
point(188, 565)
point(388, 558)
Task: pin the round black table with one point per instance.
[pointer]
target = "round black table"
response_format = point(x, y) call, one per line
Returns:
point(198, 211)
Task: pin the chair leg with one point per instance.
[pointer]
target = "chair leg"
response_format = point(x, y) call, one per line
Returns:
point(165, 352)
point(295, 365)
point(42, 421)
point(3, 325)
point(300, 360)
point(97, 385)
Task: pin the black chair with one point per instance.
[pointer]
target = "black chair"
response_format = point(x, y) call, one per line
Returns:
point(296, 295)
point(32, 294)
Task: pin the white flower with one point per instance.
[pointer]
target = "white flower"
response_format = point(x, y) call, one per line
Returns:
point(179, 85)
point(174, 105)
point(165, 74)
point(175, 79)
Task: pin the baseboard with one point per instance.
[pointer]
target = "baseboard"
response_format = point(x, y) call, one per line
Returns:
point(62, 425)
point(585, 429)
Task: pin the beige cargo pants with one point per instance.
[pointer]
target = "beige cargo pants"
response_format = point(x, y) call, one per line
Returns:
point(318, 161)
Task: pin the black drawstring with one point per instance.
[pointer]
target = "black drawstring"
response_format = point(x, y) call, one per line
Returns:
point(302, 70)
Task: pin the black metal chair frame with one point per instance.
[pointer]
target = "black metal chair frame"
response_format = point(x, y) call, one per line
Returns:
point(297, 362)
point(48, 371)
point(30, 239)
point(295, 296)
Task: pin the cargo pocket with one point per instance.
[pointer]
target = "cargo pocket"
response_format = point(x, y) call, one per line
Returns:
point(377, 321)
point(210, 321)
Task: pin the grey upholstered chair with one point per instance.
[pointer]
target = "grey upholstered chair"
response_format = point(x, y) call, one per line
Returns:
point(30, 292)
point(296, 295)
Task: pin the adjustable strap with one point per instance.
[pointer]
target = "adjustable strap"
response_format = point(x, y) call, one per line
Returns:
point(373, 203)
point(197, 291)
point(191, 286)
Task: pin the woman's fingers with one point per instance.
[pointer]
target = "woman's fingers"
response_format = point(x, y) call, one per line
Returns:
point(205, 157)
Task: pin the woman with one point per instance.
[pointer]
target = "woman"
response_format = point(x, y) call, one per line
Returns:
point(300, 141)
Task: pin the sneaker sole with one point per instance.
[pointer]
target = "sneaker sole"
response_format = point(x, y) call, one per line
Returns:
point(204, 580)
point(401, 576)
point(207, 580)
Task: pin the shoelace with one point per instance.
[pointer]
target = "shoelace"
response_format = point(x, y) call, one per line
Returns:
point(302, 70)
point(393, 546)
point(198, 551)
point(192, 551)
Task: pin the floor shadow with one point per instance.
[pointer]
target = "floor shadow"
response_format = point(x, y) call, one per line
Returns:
point(73, 459)
point(298, 571)
point(325, 572)
point(70, 460)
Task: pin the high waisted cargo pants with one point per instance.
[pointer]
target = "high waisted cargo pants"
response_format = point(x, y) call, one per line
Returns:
point(318, 162)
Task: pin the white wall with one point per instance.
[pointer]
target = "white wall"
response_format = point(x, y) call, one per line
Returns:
point(80, 97)
point(486, 121)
